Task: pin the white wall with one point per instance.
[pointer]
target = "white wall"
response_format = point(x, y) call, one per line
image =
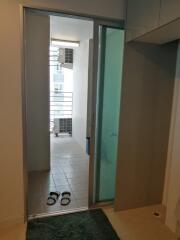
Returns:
point(80, 85)
point(11, 140)
point(172, 183)
point(70, 28)
point(37, 91)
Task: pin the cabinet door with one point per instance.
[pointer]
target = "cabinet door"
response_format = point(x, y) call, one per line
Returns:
point(170, 10)
point(142, 17)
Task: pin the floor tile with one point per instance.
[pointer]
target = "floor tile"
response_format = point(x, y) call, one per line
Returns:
point(79, 187)
point(83, 202)
point(69, 172)
point(82, 182)
point(72, 205)
point(61, 181)
point(81, 194)
point(63, 188)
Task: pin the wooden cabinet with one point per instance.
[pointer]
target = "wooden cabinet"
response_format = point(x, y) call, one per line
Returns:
point(170, 10)
point(142, 17)
point(145, 16)
point(146, 100)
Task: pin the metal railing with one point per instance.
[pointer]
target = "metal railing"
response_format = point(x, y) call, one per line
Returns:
point(61, 106)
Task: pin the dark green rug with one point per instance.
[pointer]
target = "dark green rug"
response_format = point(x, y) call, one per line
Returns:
point(87, 225)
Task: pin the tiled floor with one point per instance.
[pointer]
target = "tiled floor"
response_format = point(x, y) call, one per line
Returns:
point(69, 172)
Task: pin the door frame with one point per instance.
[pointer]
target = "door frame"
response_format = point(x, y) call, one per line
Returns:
point(97, 21)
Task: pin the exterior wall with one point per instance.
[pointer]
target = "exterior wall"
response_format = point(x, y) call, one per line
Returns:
point(11, 137)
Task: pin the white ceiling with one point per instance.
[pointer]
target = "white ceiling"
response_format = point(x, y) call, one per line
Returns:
point(70, 28)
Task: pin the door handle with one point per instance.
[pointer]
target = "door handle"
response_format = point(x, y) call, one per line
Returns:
point(114, 135)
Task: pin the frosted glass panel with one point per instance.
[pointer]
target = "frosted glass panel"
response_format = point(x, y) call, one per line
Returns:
point(108, 108)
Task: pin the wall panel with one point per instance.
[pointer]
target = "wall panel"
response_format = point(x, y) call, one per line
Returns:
point(144, 123)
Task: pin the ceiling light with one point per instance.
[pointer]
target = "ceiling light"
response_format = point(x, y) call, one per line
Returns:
point(65, 43)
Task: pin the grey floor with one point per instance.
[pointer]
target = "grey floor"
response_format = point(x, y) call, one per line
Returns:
point(69, 172)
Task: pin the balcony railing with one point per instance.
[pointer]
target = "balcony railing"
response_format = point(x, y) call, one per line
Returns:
point(61, 104)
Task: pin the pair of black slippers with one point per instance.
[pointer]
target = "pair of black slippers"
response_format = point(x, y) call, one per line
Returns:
point(54, 196)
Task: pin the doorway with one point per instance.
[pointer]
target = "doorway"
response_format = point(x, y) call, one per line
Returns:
point(69, 67)
point(66, 87)
point(67, 166)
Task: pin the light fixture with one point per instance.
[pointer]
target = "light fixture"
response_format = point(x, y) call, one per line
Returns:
point(64, 43)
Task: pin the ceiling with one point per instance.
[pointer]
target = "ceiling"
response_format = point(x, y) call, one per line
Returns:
point(73, 29)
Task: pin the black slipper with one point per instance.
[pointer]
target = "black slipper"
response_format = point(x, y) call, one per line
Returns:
point(51, 201)
point(53, 197)
point(65, 201)
point(66, 194)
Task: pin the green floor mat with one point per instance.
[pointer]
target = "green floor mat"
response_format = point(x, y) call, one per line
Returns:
point(85, 225)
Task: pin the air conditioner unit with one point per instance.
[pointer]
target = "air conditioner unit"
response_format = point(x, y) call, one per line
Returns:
point(66, 57)
point(62, 125)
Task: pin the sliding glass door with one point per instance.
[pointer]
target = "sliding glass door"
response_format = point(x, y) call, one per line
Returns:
point(110, 59)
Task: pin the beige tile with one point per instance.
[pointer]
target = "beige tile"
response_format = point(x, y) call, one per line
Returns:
point(38, 205)
point(73, 205)
point(82, 202)
point(61, 181)
point(63, 188)
point(59, 174)
point(77, 175)
point(79, 187)
point(59, 177)
point(69, 169)
point(81, 194)
point(68, 161)
point(83, 182)
point(57, 171)
point(54, 208)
